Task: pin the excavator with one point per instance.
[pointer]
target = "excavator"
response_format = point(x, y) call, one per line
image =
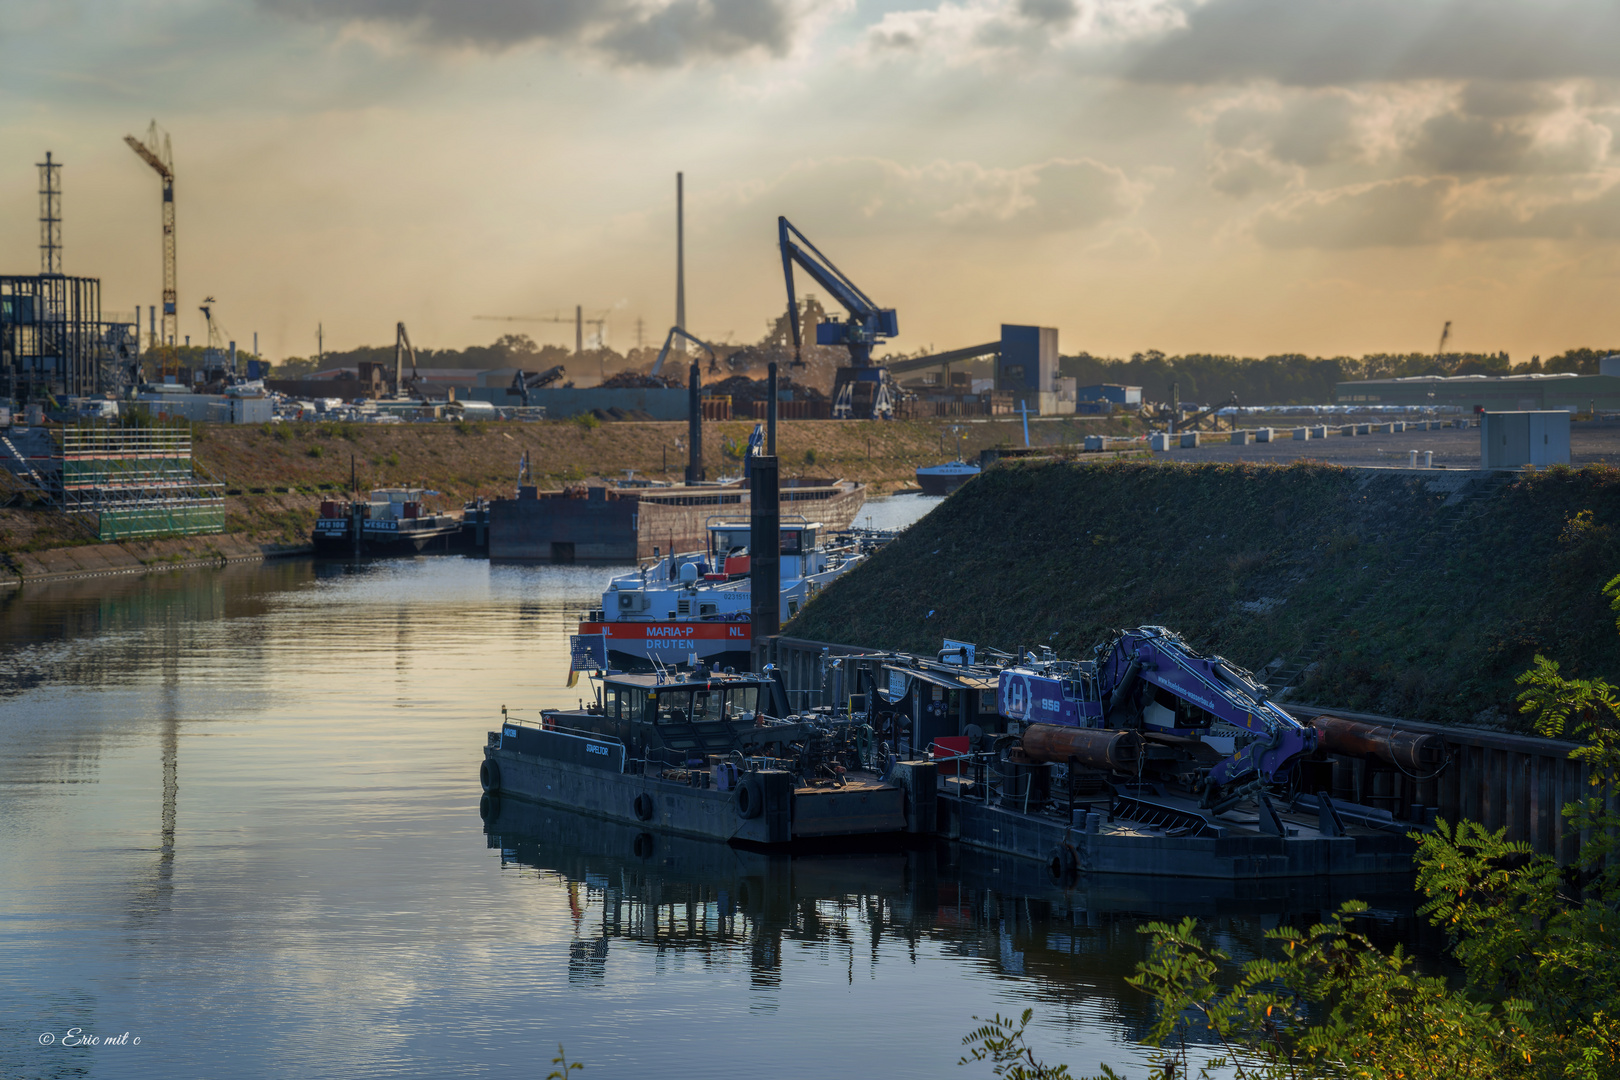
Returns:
point(863, 386)
point(669, 339)
point(1200, 721)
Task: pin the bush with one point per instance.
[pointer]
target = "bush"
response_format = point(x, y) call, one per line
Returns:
point(809, 457)
point(316, 451)
point(587, 421)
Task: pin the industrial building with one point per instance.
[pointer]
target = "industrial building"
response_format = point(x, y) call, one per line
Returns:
point(1493, 393)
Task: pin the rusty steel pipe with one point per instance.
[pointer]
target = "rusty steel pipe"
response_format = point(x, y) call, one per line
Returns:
point(1095, 748)
point(1416, 752)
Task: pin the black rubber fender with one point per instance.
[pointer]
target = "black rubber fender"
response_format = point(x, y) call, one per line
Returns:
point(489, 775)
point(1063, 864)
point(644, 807)
point(750, 798)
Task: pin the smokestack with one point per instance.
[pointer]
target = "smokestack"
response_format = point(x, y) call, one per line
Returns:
point(764, 557)
point(694, 424)
point(680, 255)
point(770, 409)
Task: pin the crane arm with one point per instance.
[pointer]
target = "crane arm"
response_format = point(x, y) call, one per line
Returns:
point(1161, 658)
point(148, 156)
point(669, 339)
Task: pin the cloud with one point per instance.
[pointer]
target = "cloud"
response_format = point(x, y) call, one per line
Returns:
point(1387, 213)
point(1241, 173)
point(635, 33)
point(962, 32)
point(1492, 132)
point(1310, 130)
point(1339, 42)
point(871, 195)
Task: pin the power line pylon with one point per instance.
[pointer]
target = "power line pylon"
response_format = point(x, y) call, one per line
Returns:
point(157, 152)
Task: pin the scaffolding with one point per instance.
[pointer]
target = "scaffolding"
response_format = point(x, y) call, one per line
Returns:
point(54, 341)
point(140, 482)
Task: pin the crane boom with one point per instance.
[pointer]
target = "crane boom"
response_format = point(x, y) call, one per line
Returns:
point(1151, 680)
point(867, 324)
point(157, 152)
point(669, 339)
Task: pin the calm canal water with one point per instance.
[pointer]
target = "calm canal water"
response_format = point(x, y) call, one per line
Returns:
point(239, 821)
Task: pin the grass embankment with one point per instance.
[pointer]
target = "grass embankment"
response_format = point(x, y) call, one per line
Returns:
point(277, 474)
point(1257, 562)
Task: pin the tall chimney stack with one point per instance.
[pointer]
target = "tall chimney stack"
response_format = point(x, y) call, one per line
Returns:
point(680, 256)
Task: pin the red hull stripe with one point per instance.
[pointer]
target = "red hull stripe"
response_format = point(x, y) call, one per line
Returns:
point(669, 631)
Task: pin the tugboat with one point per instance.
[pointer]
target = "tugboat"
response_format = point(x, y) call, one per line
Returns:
point(946, 478)
point(710, 754)
point(699, 602)
point(392, 521)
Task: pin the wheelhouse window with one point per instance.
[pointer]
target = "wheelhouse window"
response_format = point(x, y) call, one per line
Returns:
point(670, 706)
point(706, 705)
point(742, 702)
point(791, 541)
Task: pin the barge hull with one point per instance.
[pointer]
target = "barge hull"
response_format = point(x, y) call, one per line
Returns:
point(1237, 857)
point(677, 808)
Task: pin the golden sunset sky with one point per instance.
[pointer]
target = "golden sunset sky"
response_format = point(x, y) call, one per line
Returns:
point(1239, 176)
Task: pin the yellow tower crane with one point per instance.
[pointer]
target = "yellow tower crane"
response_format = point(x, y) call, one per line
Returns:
point(156, 152)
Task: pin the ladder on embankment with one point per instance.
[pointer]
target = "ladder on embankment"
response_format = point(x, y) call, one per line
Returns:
point(18, 464)
point(1466, 497)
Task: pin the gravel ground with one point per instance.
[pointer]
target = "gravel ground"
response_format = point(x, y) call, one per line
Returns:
point(1454, 448)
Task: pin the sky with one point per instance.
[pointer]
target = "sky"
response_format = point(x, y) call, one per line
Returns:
point(1230, 176)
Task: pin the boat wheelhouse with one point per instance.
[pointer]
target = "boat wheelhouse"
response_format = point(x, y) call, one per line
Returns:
point(700, 602)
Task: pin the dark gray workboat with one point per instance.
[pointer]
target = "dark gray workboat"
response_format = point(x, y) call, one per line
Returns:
point(699, 753)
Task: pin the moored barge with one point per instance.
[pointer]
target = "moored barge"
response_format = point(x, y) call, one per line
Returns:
point(698, 753)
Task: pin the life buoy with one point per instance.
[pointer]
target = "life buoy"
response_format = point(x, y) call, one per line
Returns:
point(1062, 864)
point(644, 807)
point(750, 797)
point(489, 775)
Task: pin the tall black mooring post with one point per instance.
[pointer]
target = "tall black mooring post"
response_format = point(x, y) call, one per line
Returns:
point(770, 409)
point(764, 557)
point(694, 425)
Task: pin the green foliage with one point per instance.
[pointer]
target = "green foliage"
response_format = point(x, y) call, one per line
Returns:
point(281, 432)
point(1534, 941)
point(1001, 1042)
point(563, 1065)
point(1327, 1003)
point(809, 457)
point(586, 421)
point(316, 451)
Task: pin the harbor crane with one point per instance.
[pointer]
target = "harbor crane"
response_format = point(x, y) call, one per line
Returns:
point(669, 339)
point(866, 325)
point(157, 153)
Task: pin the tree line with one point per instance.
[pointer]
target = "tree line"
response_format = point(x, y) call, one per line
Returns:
point(1296, 379)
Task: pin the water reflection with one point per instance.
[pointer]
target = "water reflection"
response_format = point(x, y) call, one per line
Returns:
point(628, 888)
